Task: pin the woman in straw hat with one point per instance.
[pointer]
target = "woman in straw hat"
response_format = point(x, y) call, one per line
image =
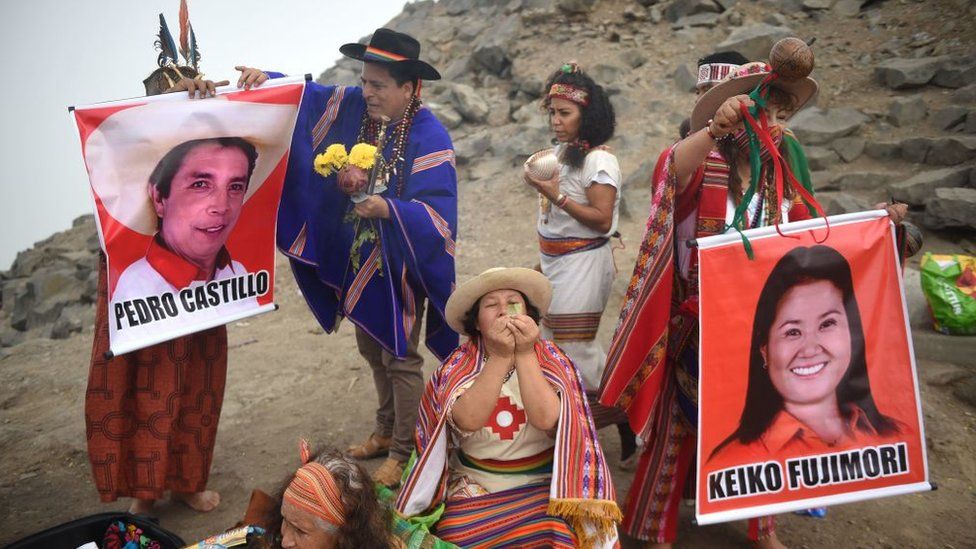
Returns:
point(505, 440)
point(698, 191)
point(578, 183)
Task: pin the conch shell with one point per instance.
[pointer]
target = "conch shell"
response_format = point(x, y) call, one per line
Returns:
point(542, 165)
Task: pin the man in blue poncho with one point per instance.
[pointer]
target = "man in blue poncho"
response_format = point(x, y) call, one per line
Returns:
point(375, 257)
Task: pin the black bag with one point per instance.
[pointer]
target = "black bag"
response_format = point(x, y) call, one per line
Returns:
point(71, 535)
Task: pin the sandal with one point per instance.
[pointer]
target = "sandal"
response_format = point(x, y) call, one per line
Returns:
point(389, 473)
point(374, 446)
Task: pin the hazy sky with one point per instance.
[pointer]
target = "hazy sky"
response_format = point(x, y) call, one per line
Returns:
point(60, 53)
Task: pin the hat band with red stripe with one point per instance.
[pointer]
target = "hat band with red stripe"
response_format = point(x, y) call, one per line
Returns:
point(377, 54)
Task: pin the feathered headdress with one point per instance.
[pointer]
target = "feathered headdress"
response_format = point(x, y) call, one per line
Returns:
point(166, 45)
point(188, 40)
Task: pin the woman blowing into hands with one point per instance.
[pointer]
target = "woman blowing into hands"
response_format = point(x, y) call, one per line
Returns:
point(505, 440)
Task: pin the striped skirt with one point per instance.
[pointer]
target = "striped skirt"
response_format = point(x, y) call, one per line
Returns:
point(512, 518)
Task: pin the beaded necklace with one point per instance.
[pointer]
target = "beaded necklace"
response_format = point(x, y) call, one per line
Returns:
point(369, 133)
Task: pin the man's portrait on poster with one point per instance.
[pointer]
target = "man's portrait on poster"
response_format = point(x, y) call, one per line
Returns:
point(197, 192)
point(808, 384)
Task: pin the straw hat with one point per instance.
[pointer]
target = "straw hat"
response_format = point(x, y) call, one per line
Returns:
point(532, 283)
point(123, 150)
point(742, 81)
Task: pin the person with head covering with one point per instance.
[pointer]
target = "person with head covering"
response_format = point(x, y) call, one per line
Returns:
point(505, 440)
point(374, 246)
point(704, 186)
point(580, 204)
point(151, 415)
point(699, 189)
point(330, 503)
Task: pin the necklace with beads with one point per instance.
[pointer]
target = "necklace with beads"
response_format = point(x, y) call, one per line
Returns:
point(369, 133)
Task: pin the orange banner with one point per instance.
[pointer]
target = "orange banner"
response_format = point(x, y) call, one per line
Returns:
point(807, 392)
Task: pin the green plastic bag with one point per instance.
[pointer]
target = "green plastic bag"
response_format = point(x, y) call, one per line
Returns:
point(949, 285)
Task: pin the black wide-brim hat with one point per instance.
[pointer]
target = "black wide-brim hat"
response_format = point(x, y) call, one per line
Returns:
point(390, 46)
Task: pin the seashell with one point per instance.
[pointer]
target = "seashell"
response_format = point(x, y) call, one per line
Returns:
point(542, 165)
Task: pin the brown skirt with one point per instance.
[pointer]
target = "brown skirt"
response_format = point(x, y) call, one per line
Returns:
point(151, 415)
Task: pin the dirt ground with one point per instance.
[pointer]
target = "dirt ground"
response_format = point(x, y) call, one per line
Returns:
point(286, 379)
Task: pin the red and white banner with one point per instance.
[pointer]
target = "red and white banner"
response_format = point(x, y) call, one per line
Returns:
point(808, 394)
point(186, 194)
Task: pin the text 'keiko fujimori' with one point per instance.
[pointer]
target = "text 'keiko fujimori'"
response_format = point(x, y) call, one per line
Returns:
point(194, 298)
point(809, 472)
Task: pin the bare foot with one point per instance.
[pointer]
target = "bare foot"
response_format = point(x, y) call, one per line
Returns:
point(772, 542)
point(141, 506)
point(204, 501)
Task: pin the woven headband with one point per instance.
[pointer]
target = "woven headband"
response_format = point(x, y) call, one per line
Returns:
point(570, 93)
point(713, 73)
point(314, 491)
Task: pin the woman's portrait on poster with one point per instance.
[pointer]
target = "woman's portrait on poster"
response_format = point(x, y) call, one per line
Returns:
point(808, 385)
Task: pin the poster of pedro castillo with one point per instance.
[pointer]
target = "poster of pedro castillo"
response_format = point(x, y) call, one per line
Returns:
point(186, 193)
point(808, 394)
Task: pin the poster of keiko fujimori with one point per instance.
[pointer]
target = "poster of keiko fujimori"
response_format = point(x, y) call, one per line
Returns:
point(186, 193)
point(808, 394)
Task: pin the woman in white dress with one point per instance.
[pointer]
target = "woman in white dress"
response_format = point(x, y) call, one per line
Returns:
point(577, 217)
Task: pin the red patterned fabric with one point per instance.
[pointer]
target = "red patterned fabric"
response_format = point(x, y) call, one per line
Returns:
point(151, 415)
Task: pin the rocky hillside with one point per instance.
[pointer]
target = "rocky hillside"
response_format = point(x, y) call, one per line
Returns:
point(896, 117)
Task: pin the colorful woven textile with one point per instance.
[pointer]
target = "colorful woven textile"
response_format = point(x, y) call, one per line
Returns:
point(512, 518)
point(561, 246)
point(581, 491)
point(573, 327)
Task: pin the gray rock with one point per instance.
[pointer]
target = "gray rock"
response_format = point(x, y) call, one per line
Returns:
point(685, 78)
point(647, 3)
point(575, 6)
point(964, 95)
point(519, 143)
point(71, 321)
point(492, 57)
point(776, 19)
point(705, 20)
point(905, 111)
point(915, 149)
point(530, 114)
point(882, 150)
point(949, 151)
point(970, 125)
point(472, 147)
point(849, 148)
point(51, 283)
point(956, 74)
point(820, 158)
point(916, 189)
point(634, 58)
point(18, 298)
point(469, 103)
point(447, 115)
point(683, 8)
point(610, 76)
point(812, 5)
point(857, 181)
point(733, 18)
point(947, 117)
point(634, 13)
point(754, 41)
point(901, 73)
point(951, 208)
point(848, 8)
point(10, 337)
point(815, 126)
point(836, 203)
point(726, 4)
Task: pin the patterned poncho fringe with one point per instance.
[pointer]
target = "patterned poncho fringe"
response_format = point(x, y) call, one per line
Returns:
point(581, 492)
